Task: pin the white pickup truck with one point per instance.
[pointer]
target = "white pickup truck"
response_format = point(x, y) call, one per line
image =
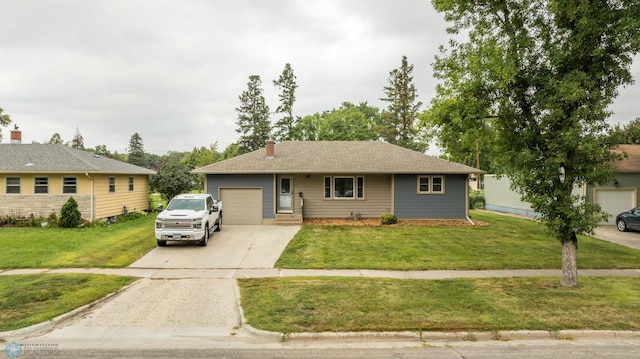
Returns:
point(189, 217)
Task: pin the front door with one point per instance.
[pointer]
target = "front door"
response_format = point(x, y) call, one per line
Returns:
point(285, 195)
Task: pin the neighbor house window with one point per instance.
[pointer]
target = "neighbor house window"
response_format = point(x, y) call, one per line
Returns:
point(343, 187)
point(130, 183)
point(69, 185)
point(112, 184)
point(41, 185)
point(12, 185)
point(430, 184)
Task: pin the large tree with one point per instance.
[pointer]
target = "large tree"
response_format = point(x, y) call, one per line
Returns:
point(346, 123)
point(548, 70)
point(286, 83)
point(136, 151)
point(56, 139)
point(5, 120)
point(629, 133)
point(399, 120)
point(253, 117)
point(172, 179)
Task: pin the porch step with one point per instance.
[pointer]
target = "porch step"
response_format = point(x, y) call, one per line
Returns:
point(288, 219)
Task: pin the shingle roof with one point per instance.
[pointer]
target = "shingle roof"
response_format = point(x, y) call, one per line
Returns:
point(336, 157)
point(630, 164)
point(47, 158)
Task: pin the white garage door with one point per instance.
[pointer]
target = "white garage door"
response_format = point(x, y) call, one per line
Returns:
point(241, 205)
point(614, 201)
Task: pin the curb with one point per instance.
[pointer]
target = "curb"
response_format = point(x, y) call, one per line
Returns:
point(52, 323)
point(446, 336)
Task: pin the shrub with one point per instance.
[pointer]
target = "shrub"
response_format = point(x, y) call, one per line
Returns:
point(476, 200)
point(69, 214)
point(389, 219)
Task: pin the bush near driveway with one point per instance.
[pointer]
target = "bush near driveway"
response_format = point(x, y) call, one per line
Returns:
point(506, 243)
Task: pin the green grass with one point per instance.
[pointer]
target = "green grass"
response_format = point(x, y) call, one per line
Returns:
point(367, 304)
point(507, 243)
point(32, 299)
point(115, 245)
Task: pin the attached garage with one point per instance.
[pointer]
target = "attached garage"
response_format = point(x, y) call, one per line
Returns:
point(241, 205)
point(615, 200)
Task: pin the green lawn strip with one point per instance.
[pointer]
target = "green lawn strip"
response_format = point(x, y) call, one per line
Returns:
point(114, 245)
point(290, 305)
point(31, 299)
point(507, 243)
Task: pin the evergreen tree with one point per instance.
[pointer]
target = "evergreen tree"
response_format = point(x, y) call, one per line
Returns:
point(547, 70)
point(136, 151)
point(5, 120)
point(55, 139)
point(399, 120)
point(287, 85)
point(78, 141)
point(253, 117)
point(70, 215)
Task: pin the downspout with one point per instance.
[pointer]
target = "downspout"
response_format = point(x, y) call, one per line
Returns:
point(466, 209)
point(91, 197)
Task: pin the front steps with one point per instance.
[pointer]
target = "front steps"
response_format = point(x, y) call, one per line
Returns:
point(288, 219)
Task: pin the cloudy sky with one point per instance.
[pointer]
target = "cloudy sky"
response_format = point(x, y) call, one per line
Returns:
point(172, 70)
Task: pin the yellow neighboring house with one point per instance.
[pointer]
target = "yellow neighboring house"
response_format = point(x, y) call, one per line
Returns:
point(39, 178)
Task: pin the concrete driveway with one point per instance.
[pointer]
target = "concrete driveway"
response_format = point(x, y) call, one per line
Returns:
point(612, 234)
point(182, 311)
point(235, 246)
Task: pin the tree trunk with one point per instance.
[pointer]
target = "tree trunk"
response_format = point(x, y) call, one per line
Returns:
point(570, 262)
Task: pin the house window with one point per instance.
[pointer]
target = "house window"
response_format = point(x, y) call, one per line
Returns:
point(41, 185)
point(69, 185)
point(327, 187)
point(430, 184)
point(343, 187)
point(12, 185)
point(112, 184)
point(130, 183)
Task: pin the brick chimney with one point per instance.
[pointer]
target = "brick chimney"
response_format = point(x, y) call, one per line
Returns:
point(16, 135)
point(271, 148)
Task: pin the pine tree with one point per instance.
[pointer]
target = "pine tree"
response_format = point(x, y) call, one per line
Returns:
point(136, 151)
point(253, 117)
point(78, 141)
point(399, 120)
point(5, 120)
point(287, 85)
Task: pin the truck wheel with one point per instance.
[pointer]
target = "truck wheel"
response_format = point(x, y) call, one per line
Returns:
point(205, 238)
point(219, 226)
point(162, 243)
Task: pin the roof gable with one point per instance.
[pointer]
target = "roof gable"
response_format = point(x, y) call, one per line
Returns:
point(49, 158)
point(336, 157)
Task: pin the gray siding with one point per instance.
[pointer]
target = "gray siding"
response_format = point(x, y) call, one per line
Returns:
point(264, 181)
point(377, 197)
point(625, 181)
point(411, 205)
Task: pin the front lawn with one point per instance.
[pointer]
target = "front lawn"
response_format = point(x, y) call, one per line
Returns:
point(31, 299)
point(507, 243)
point(114, 245)
point(290, 305)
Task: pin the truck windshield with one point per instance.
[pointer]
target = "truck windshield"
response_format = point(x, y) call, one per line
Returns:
point(185, 203)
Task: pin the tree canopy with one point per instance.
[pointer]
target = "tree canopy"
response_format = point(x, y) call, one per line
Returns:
point(547, 70)
point(399, 121)
point(287, 84)
point(172, 179)
point(346, 123)
point(136, 151)
point(78, 141)
point(253, 117)
point(5, 120)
